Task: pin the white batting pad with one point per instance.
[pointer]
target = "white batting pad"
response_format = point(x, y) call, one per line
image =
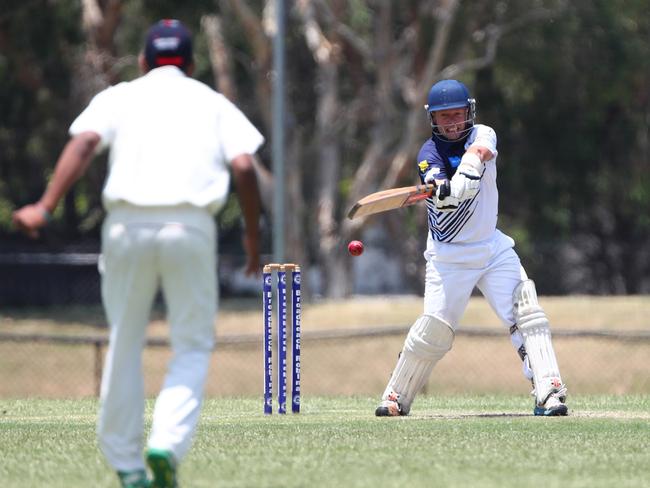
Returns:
point(428, 340)
point(534, 327)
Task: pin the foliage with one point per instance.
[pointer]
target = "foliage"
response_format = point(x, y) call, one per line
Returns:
point(567, 93)
point(35, 71)
point(579, 159)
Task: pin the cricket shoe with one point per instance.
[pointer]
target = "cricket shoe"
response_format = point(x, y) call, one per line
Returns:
point(134, 479)
point(390, 407)
point(163, 466)
point(554, 405)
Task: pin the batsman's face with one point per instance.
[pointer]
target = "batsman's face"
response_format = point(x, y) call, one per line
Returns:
point(452, 122)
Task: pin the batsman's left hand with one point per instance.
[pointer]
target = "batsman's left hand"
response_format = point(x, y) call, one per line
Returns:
point(467, 180)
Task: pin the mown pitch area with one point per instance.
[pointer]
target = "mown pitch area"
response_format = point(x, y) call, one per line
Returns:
point(450, 441)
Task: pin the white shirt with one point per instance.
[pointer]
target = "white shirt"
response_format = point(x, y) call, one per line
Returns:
point(170, 137)
point(454, 235)
point(484, 209)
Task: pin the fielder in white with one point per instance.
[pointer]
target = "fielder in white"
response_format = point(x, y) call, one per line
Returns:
point(466, 250)
point(171, 139)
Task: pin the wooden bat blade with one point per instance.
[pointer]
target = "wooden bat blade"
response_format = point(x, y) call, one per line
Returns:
point(385, 200)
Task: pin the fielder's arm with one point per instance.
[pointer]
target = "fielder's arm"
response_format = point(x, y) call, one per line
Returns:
point(71, 165)
point(248, 192)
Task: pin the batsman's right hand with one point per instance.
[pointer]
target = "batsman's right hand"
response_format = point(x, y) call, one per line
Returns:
point(444, 201)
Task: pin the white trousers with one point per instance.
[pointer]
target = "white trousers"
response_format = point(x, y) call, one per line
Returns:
point(454, 270)
point(144, 249)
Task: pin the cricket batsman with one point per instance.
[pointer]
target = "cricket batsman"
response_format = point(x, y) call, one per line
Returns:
point(466, 250)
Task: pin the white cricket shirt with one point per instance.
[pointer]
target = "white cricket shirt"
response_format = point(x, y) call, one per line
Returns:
point(466, 233)
point(171, 138)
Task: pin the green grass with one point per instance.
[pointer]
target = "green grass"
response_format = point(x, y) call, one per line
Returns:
point(459, 441)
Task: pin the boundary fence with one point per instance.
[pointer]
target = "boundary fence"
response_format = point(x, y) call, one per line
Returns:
point(320, 339)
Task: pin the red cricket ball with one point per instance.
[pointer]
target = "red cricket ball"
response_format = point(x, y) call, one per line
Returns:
point(355, 248)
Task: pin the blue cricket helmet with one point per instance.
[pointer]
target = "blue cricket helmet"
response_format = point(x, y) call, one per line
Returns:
point(448, 94)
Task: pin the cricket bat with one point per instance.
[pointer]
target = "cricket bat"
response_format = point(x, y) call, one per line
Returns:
point(385, 200)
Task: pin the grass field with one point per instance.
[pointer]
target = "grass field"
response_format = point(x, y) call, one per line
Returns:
point(450, 441)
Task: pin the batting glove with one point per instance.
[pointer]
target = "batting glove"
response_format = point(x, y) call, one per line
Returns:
point(467, 180)
point(444, 201)
point(432, 175)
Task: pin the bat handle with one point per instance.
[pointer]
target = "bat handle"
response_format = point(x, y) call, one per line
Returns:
point(445, 190)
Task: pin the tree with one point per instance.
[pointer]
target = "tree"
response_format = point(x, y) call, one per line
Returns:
point(564, 84)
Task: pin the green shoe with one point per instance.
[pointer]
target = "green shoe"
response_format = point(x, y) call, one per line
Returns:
point(134, 479)
point(163, 467)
